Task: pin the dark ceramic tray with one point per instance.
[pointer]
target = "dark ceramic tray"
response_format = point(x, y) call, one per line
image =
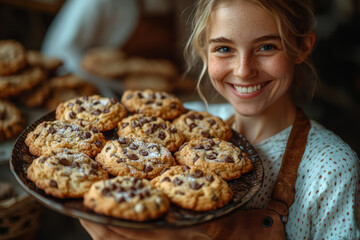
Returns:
point(244, 189)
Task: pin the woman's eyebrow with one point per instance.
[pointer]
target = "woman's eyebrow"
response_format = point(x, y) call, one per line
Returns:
point(266, 38)
point(220, 40)
point(260, 39)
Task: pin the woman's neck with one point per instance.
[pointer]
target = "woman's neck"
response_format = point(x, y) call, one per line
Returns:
point(274, 119)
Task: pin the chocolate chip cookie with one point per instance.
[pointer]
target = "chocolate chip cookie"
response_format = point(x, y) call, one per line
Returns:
point(194, 188)
point(93, 111)
point(12, 57)
point(11, 120)
point(25, 79)
point(194, 124)
point(67, 174)
point(135, 157)
point(222, 157)
point(152, 129)
point(153, 103)
point(127, 197)
point(50, 136)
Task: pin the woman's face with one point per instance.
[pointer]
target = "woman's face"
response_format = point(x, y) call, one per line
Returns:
point(247, 62)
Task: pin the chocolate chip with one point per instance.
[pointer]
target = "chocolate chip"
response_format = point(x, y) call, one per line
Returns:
point(72, 115)
point(120, 200)
point(78, 101)
point(133, 157)
point(125, 124)
point(52, 130)
point(64, 161)
point(85, 98)
point(86, 135)
point(173, 130)
point(43, 159)
point(107, 149)
point(113, 100)
point(81, 109)
point(215, 198)
point(198, 173)
point(211, 156)
point(148, 168)
point(95, 103)
point(191, 116)
point(165, 179)
point(195, 185)
point(106, 110)
point(135, 124)
point(199, 116)
point(120, 160)
point(75, 165)
point(159, 104)
point(143, 152)
point(173, 105)
point(192, 125)
point(228, 159)
point(129, 96)
point(133, 146)
point(98, 144)
point(212, 142)
point(122, 140)
point(199, 146)
point(96, 112)
point(208, 147)
point(53, 183)
point(210, 178)
point(177, 181)
point(140, 95)
point(206, 134)
point(211, 121)
point(161, 135)
point(195, 158)
point(94, 130)
point(163, 125)
point(148, 102)
point(36, 135)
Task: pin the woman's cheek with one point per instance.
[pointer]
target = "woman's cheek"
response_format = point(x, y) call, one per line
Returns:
point(217, 69)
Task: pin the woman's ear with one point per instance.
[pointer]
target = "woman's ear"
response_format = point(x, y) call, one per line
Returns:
point(306, 47)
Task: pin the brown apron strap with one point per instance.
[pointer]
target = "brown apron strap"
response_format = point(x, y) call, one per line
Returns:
point(284, 189)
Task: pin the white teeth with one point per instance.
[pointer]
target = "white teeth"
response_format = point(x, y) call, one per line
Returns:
point(250, 89)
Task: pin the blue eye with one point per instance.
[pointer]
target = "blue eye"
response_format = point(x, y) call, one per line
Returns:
point(267, 48)
point(224, 49)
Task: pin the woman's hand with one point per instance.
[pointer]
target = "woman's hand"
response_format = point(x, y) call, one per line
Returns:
point(99, 232)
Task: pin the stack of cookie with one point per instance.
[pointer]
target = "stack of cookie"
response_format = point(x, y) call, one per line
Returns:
point(135, 72)
point(154, 153)
point(29, 79)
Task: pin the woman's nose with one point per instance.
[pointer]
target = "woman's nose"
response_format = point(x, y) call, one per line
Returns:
point(245, 67)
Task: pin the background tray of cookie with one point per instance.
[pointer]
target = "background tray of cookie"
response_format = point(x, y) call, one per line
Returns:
point(244, 189)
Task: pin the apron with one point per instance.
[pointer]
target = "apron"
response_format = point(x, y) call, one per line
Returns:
point(268, 223)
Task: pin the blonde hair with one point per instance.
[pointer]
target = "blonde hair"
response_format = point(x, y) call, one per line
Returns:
point(294, 19)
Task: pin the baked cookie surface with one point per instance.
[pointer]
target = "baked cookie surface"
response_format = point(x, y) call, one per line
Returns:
point(194, 124)
point(92, 111)
point(194, 188)
point(12, 57)
point(25, 79)
point(152, 129)
point(66, 174)
point(127, 197)
point(153, 103)
point(222, 157)
point(50, 136)
point(11, 120)
point(134, 157)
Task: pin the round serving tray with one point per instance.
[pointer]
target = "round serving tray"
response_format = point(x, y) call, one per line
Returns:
point(244, 189)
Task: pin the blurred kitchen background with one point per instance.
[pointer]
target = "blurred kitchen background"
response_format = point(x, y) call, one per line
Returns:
point(160, 33)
